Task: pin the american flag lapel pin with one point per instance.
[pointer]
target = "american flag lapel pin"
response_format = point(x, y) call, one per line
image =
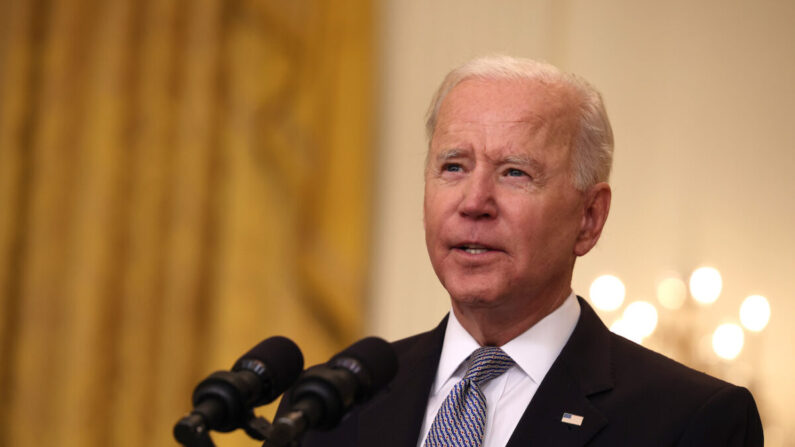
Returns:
point(573, 419)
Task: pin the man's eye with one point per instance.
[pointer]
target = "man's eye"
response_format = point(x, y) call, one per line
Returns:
point(514, 173)
point(452, 167)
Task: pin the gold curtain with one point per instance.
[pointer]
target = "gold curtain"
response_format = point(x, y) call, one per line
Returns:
point(179, 179)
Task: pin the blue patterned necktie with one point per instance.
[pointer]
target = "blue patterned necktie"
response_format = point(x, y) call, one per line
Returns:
point(461, 419)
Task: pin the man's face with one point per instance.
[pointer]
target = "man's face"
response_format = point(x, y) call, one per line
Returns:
point(502, 216)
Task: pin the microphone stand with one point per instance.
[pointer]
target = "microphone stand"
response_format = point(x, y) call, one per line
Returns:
point(191, 430)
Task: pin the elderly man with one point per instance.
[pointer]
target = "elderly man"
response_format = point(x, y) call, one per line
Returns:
point(515, 190)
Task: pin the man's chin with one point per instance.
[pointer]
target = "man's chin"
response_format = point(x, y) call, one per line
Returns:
point(477, 298)
point(483, 289)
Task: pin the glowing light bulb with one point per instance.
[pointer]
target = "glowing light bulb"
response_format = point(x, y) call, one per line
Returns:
point(641, 316)
point(607, 292)
point(755, 313)
point(727, 341)
point(672, 293)
point(705, 285)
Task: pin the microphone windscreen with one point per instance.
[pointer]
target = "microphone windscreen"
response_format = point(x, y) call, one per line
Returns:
point(378, 358)
point(283, 359)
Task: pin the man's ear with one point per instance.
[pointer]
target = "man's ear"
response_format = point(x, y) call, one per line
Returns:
point(597, 206)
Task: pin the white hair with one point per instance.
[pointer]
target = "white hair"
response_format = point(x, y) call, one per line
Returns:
point(592, 151)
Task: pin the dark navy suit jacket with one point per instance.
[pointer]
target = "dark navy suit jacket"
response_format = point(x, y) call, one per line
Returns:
point(627, 395)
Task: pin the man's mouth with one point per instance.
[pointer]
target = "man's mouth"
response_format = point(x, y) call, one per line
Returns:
point(474, 249)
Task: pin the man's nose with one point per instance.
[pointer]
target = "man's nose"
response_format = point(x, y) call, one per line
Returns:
point(478, 201)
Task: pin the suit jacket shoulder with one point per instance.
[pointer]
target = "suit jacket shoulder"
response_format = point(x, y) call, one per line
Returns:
point(629, 395)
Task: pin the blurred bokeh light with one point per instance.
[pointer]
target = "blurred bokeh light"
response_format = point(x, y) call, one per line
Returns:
point(755, 313)
point(727, 341)
point(672, 292)
point(705, 285)
point(641, 317)
point(607, 292)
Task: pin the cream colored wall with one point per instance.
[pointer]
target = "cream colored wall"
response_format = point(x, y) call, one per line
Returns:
point(702, 99)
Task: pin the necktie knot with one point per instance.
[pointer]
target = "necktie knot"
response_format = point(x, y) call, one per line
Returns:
point(487, 362)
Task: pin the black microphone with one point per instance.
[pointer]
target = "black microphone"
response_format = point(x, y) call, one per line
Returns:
point(225, 399)
point(325, 393)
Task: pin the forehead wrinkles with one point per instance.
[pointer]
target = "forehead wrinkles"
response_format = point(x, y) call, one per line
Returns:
point(499, 140)
point(472, 112)
point(480, 103)
point(508, 99)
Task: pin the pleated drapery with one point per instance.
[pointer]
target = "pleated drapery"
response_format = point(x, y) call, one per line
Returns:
point(178, 180)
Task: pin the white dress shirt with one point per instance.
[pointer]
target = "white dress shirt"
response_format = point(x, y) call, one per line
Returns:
point(508, 395)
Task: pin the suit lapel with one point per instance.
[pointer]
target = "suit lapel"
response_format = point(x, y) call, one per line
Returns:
point(404, 402)
point(582, 369)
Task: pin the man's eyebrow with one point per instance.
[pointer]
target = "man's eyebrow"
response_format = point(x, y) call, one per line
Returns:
point(523, 160)
point(449, 154)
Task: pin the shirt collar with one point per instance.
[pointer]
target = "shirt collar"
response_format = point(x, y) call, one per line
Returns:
point(534, 350)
